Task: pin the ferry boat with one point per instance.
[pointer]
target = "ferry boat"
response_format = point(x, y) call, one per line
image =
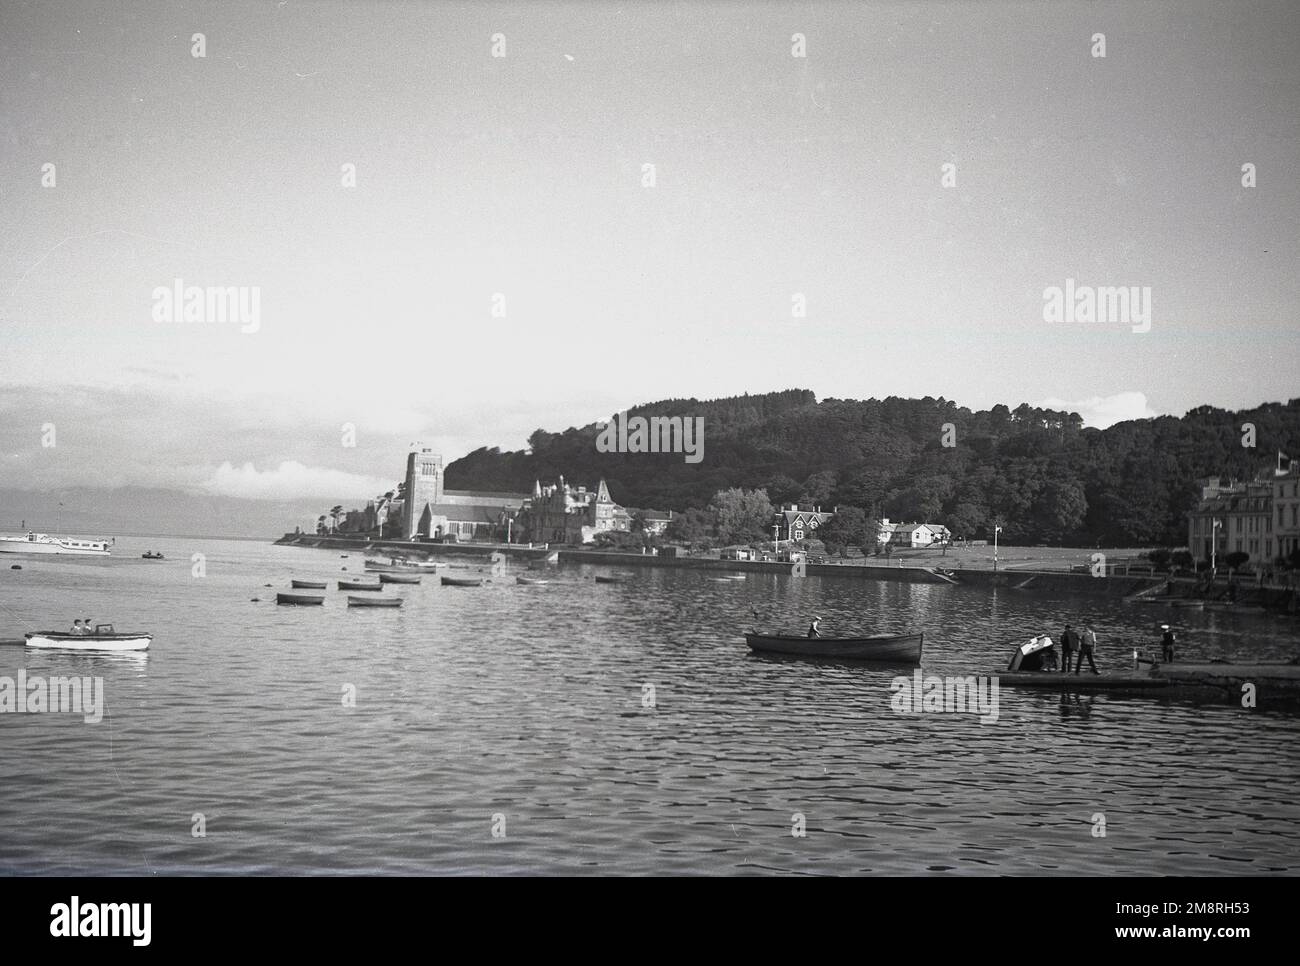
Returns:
point(43, 543)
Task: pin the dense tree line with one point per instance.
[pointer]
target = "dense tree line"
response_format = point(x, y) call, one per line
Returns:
point(1036, 472)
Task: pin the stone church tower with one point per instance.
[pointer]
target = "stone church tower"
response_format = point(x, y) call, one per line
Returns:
point(423, 486)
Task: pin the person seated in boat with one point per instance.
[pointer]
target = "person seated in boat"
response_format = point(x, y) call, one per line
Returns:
point(89, 627)
point(77, 628)
point(812, 628)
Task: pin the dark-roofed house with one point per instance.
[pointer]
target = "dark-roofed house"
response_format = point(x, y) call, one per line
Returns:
point(800, 523)
point(656, 521)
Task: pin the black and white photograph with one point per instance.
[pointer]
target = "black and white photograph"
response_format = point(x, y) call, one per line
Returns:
point(707, 438)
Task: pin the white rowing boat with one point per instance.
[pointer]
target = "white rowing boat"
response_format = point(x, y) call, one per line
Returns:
point(103, 639)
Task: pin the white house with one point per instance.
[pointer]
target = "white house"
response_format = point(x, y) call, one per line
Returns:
point(914, 534)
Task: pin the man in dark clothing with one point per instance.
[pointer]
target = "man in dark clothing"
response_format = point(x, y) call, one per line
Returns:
point(812, 628)
point(1167, 644)
point(1069, 644)
point(1087, 644)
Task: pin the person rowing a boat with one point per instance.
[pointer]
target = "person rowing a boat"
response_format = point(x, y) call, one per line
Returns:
point(812, 628)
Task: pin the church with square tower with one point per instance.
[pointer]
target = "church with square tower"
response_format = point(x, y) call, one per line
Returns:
point(423, 487)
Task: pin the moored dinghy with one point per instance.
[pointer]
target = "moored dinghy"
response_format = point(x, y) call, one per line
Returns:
point(893, 648)
point(531, 581)
point(104, 639)
point(308, 584)
point(359, 585)
point(374, 601)
point(308, 599)
point(462, 581)
point(387, 578)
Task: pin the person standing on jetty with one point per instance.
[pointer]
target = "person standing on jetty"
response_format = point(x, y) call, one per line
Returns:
point(812, 628)
point(1069, 644)
point(1167, 642)
point(1086, 648)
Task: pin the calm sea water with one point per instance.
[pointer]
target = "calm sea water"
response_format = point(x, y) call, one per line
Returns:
point(522, 710)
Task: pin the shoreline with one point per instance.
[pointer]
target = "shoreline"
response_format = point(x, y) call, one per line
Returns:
point(1016, 579)
point(1269, 598)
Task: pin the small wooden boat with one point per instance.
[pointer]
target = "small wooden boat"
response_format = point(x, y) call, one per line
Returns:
point(531, 581)
point(283, 598)
point(374, 601)
point(151, 556)
point(462, 581)
point(610, 580)
point(103, 639)
point(308, 584)
point(893, 648)
point(359, 585)
point(1195, 604)
point(404, 566)
point(387, 578)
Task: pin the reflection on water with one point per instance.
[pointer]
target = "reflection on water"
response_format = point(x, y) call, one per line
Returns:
point(530, 703)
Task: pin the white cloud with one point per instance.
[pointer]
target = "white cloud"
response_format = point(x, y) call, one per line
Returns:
point(292, 480)
point(1102, 411)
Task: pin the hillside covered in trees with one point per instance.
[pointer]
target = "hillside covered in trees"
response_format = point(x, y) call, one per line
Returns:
point(1038, 473)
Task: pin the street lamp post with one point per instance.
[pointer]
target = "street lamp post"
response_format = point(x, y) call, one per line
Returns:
point(1214, 547)
point(996, 531)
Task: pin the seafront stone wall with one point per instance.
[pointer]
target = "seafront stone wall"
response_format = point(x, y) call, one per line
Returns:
point(379, 548)
point(1029, 581)
point(1058, 582)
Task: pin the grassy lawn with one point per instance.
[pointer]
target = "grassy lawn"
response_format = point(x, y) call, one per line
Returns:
point(1009, 558)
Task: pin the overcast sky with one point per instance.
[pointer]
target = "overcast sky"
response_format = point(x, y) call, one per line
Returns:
point(523, 175)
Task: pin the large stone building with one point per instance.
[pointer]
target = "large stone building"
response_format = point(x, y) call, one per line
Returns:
point(1286, 509)
point(1260, 517)
point(432, 512)
point(560, 513)
point(422, 508)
